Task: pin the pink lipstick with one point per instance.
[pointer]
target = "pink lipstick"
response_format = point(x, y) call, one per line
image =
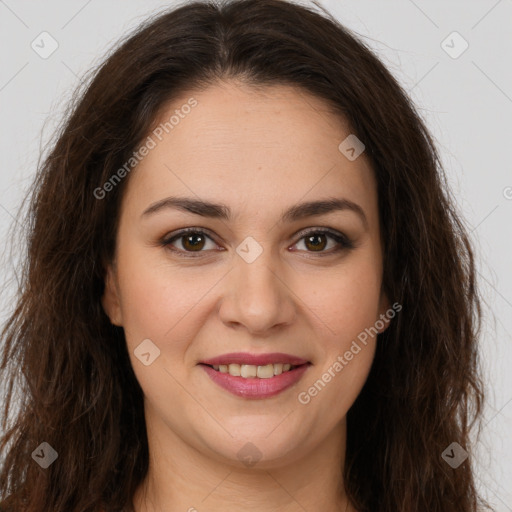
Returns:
point(255, 376)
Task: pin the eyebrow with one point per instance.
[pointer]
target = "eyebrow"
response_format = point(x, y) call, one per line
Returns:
point(223, 212)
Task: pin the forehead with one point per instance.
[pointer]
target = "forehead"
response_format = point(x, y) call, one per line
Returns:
point(249, 146)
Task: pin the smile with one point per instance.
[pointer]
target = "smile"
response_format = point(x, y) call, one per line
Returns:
point(262, 379)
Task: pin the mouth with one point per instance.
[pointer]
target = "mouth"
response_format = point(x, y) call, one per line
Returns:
point(255, 376)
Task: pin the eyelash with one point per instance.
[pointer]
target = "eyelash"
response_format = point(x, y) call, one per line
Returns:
point(344, 242)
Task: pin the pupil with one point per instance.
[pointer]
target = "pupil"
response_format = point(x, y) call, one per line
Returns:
point(316, 246)
point(193, 244)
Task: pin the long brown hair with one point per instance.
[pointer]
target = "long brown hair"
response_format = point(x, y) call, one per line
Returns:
point(69, 365)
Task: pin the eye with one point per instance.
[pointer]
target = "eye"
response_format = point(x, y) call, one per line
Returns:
point(316, 241)
point(193, 240)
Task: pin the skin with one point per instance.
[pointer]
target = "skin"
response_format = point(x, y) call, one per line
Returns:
point(259, 153)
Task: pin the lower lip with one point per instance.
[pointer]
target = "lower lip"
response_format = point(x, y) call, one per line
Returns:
point(255, 387)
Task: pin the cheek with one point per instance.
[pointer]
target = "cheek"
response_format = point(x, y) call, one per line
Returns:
point(345, 354)
point(157, 297)
point(345, 307)
point(344, 302)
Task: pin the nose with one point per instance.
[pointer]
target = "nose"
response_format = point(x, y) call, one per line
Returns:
point(258, 296)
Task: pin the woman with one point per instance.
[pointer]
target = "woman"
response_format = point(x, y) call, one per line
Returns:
point(246, 285)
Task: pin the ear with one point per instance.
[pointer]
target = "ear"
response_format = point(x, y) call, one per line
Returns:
point(383, 318)
point(110, 299)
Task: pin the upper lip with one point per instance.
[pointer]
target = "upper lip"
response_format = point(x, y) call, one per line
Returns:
point(255, 359)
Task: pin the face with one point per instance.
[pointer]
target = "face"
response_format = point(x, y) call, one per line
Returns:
point(260, 276)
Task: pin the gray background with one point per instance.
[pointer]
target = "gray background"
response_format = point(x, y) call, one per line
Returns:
point(466, 102)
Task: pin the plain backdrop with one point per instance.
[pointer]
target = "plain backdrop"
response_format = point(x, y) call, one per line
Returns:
point(461, 84)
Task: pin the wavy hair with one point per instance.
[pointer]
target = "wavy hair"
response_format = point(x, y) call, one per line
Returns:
point(69, 365)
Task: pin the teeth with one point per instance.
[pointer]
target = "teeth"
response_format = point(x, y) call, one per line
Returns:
point(234, 369)
point(265, 372)
point(250, 371)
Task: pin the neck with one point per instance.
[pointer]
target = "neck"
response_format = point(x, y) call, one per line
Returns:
point(182, 478)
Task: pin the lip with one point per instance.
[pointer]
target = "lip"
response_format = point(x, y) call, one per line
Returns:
point(255, 359)
point(256, 388)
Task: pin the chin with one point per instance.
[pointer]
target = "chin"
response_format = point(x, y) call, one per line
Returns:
point(260, 448)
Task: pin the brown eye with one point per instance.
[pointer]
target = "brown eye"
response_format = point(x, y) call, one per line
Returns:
point(192, 241)
point(316, 242)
